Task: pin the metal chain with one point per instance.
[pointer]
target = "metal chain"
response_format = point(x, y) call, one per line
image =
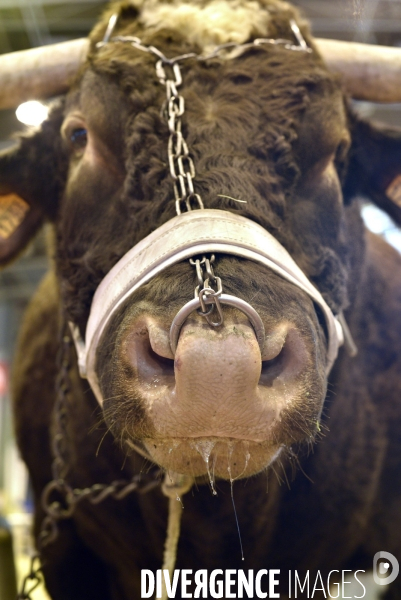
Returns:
point(182, 171)
point(59, 441)
point(301, 45)
point(32, 580)
point(204, 289)
point(59, 498)
point(182, 168)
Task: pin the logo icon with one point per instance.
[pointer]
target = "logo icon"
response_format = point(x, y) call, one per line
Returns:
point(384, 564)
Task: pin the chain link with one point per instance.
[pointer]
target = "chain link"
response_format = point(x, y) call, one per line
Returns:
point(204, 290)
point(182, 170)
point(301, 45)
point(181, 165)
point(32, 580)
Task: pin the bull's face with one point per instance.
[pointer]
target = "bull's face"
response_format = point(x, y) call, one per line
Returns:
point(218, 401)
point(268, 127)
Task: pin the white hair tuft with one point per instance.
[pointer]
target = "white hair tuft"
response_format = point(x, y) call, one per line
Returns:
point(207, 24)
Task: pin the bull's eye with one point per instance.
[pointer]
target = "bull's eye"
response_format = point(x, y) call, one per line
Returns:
point(75, 134)
point(78, 139)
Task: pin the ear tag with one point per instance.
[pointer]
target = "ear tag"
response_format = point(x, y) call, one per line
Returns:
point(394, 191)
point(13, 210)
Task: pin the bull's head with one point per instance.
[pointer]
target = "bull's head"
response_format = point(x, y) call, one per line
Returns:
point(273, 140)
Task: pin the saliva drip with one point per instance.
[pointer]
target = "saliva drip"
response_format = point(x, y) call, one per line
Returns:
point(205, 447)
point(247, 458)
point(230, 452)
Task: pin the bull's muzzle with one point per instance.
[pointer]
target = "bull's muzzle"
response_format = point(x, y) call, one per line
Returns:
point(193, 233)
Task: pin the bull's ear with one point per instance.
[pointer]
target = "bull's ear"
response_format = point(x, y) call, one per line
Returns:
point(31, 179)
point(374, 169)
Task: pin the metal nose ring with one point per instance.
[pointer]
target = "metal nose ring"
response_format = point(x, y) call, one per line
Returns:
point(194, 304)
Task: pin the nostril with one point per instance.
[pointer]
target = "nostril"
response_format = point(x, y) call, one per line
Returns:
point(151, 365)
point(272, 368)
point(145, 353)
point(286, 361)
point(165, 364)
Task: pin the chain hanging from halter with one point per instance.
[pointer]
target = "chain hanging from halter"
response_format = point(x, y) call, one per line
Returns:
point(182, 171)
point(204, 290)
point(59, 498)
point(182, 168)
point(181, 165)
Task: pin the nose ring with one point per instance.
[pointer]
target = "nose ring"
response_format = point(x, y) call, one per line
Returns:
point(195, 304)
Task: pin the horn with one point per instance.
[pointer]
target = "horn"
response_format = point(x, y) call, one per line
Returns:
point(369, 72)
point(39, 72)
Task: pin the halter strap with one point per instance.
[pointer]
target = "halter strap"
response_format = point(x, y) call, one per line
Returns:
point(189, 234)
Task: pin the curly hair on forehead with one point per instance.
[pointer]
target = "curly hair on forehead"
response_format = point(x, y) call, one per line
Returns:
point(205, 23)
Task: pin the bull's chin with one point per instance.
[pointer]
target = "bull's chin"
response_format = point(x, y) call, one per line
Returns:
point(211, 457)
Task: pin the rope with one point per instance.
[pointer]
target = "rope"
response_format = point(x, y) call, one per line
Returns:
point(174, 486)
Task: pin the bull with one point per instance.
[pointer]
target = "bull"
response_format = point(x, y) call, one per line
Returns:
point(203, 177)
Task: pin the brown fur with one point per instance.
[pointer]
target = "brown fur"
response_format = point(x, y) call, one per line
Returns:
point(258, 127)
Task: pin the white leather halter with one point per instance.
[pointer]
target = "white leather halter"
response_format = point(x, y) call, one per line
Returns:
point(184, 236)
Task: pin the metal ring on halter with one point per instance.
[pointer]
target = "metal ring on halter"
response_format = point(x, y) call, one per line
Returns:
point(192, 305)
